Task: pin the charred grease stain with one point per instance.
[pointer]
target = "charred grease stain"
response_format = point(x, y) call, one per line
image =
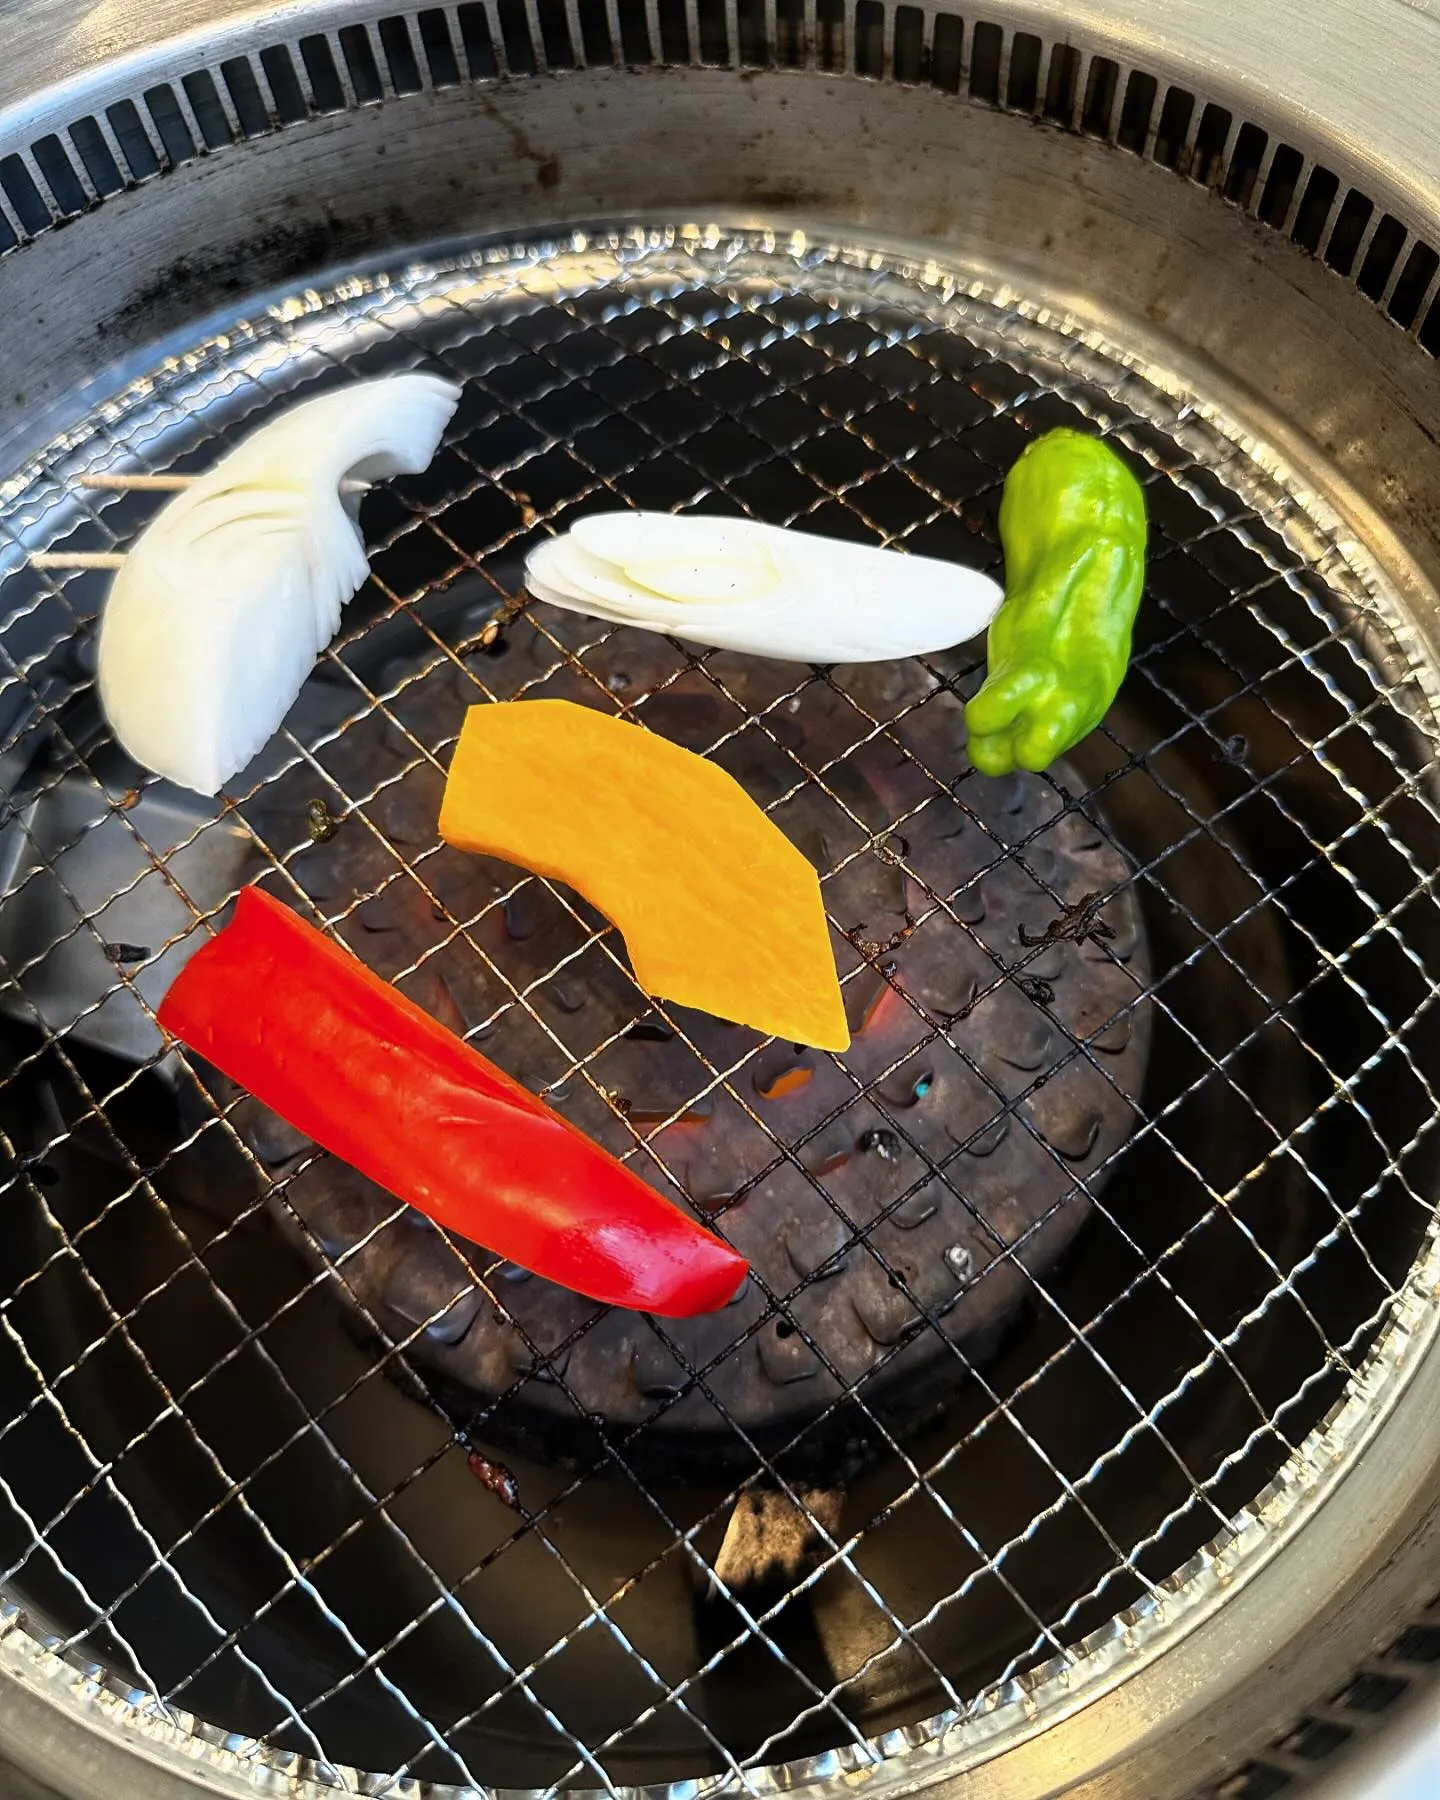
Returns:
point(787, 199)
point(547, 168)
point(320, 823)
point(192, 283)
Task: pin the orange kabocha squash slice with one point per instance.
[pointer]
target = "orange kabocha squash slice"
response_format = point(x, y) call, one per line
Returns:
point(718, 908)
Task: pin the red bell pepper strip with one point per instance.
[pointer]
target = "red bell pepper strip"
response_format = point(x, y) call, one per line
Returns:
point(351, 1063)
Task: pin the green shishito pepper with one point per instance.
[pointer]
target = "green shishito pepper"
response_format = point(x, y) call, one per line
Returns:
point(1072, 525)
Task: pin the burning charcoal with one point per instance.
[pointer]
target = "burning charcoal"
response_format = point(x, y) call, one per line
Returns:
point(789, 1154)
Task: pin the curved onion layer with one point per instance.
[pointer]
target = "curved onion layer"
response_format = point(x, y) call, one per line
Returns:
point(218, 613)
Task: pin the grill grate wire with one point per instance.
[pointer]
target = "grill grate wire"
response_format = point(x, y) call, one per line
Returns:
point(684, 330)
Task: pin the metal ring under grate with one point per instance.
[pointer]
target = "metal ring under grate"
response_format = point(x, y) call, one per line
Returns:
point(230, 1472)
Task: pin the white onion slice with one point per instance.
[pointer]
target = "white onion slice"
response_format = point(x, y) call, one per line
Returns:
point(217, 614)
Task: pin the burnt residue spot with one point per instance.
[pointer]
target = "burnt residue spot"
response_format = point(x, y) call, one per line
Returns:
point(320, 823)
point(892, 847)
point(496, 1477)
point(788, 199)
point(1036, 988)
point(191, 284)
point(880, 1141)
point(120, 954)
point(872, 949)
point(1077, 923)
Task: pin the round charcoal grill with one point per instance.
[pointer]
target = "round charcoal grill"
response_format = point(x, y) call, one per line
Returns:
point(1078, 1414)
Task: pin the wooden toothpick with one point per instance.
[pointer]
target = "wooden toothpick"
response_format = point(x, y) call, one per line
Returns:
point(154, 484)
point(76, 559)
point(162, 484)
point(174, 484)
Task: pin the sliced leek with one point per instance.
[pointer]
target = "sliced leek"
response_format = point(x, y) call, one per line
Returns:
point(734, 584)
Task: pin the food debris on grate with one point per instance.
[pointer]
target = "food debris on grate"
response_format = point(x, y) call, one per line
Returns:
point(770, 1538)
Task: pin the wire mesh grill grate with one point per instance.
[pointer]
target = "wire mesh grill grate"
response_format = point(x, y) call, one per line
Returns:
point(239, 1507)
